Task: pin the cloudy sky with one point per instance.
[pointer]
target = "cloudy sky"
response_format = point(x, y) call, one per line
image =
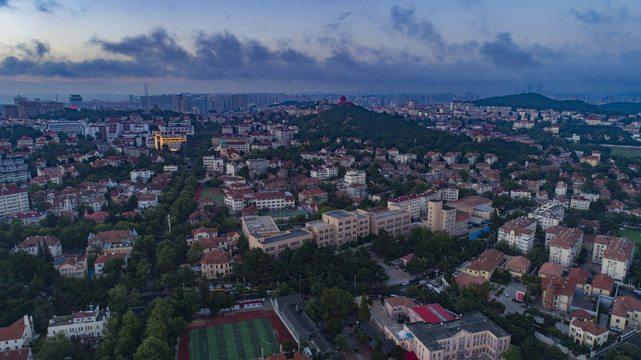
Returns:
point(487, 46)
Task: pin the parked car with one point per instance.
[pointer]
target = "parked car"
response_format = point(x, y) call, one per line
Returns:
point(405, 283)
point(506, 294)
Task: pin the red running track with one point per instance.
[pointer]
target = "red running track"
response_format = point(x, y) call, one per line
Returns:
point(277, 324)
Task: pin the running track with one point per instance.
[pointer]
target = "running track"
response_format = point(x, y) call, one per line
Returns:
point(283, 333)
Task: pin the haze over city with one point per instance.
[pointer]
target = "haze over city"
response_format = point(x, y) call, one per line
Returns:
point(490, 47)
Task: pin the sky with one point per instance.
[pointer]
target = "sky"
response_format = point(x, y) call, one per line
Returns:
point(380, 47)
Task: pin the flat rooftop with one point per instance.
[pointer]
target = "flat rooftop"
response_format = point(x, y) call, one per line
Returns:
point(339, 214)
point(259, 224)
point(287, 235)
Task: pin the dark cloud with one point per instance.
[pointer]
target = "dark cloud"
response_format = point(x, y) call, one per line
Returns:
point(590, 16)
point(4, 3)
point(405, 21)
point(224, 58)
point(504, 52)
point(34, 49)
point(344, 16)
point(47, 6)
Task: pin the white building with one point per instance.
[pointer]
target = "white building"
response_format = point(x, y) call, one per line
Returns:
point(31, 244)
point(579, 203)
point(519, 233)
point(213, 163)
point(355, 177)
point(18, 335)
point(84, 324)
point(520, 193)
point(548, 214)
point(13, 200)
point(565, 244)
point(273, 200)
point(617, 258)
point(142, 175)
point(324, 172)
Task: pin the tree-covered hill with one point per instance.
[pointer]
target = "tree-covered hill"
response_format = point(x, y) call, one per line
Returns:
point(540, 102)
point(394, 131)
point(624, 107)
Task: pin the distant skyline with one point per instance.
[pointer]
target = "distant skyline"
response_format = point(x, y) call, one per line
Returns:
point(489, 47)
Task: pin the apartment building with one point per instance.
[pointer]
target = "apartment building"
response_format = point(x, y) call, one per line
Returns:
point(565, 244)
point(617, 258)
point(626, 311)
point(586, 332)
point(212, 163)
point(472, 335)
point(446, 218)
point(324, 172)
point(416, 204)
point(519, 233)
point(262, 233)
point(348, 226)
point(312, 196)
point(549, 214)
point(579, 203)
point(13, 200)
point(355, 177)
point(17, 335)
point(83, 324)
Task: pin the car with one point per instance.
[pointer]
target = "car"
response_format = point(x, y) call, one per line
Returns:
point(637, 291)
point(423, 282)
point(506, 294)
point(405, 283)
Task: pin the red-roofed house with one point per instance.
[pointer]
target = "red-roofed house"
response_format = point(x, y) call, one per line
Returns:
point(626, 311)
point(518, 265)
point(31, 243)
point(105, 258)
point(485, 264)
point(585, 332)
point(557, 293)
point(217, 263)
point(19, 354)
point(464, 280)
point(18, 335)
point(551, 269)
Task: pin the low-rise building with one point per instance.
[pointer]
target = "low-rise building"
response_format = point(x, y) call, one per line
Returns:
point(84, 324)
point(398, 306)
point(557, 293)
point(484, 265)
point(103, 259)
point(579, 203)
point(324, 172)
point(216, 263)
point(617, 259)
point(71, 266)
point(262, 233)
point(113, 241)
point(518, 265)
point(32, 244)
point(472, 335)
point(394, 222)
point(17, 335)
point(550, 269)
point(586, 332)
point(626, 311)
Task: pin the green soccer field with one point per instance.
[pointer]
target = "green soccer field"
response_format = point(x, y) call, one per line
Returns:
point(234, 341)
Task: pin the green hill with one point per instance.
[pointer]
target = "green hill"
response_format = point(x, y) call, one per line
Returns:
point(624, 107)
point(394, 131)
point(540, 102)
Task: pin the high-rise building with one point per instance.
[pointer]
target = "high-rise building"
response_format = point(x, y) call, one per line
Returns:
point(75, 101)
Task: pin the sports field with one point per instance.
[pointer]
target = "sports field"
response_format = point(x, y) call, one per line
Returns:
point(234, 341)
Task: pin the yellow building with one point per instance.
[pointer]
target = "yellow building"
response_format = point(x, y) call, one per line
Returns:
point(216, 263)
point(262, 233)
point(626, 311)
point(588, 333)
point(485, 264)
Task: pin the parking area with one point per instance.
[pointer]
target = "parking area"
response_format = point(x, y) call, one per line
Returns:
point(396, 275)
point(510, 290)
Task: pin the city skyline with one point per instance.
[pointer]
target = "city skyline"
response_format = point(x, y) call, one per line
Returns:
point(378, 47)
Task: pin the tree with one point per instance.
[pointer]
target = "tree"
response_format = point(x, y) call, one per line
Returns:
point(334, 327)
point(153, 348)
point(288, 346)
point(512, 353)
point(362, 336)
point(129, 334)
point(195, 253)
point(363, 310)
point(340, 341)
point(59, 347)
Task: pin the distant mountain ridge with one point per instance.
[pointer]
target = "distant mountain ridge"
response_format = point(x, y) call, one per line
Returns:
point(539, 102)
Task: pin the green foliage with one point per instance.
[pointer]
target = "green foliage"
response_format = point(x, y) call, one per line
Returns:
point(333, 302)
point(154, 348)
point(512, 353)
point(334, 327)
point(60, 347)
point(363, 310)
point(288, 346)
